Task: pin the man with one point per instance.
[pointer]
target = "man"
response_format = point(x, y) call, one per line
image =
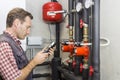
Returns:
point(14, 64)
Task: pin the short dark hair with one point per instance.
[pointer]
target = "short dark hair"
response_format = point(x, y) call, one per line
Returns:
point(17, 13)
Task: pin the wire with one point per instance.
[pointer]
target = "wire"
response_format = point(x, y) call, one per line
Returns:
point(50, 32)
point(65, 16)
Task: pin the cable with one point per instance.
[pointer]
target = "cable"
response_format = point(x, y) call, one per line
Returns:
point(50, 32)
point(65, 16)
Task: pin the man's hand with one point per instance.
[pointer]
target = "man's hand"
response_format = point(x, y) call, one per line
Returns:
point(41, 56)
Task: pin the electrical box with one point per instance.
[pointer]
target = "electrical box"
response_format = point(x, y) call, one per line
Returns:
point(34, 41)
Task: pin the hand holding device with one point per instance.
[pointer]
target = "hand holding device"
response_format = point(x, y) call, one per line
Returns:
point(50, 46)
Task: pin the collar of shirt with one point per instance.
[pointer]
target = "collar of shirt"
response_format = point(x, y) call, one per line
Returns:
point(14, 38)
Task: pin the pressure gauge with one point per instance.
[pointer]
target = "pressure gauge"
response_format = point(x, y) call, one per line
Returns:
point(88, 3)
point(78, 6)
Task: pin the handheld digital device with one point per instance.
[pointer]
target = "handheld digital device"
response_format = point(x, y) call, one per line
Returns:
point(50, 46)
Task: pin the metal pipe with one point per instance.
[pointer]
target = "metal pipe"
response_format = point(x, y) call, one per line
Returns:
point(96, 40)
point(78, 31)
point(90, 31)
point(78, 38)
point(67, 74)
point(70, 19)
point(86, 15)
point(90, 24)
point(53, 1)
point(85, 72)
point(56, 75)
point(45, 63)
point(40, 75)
point(70, 16)
point(57, 52)
point(65, 66)
point(56, 61)
point(85, 25)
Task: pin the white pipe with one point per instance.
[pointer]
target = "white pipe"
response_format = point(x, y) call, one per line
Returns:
point(105, 40)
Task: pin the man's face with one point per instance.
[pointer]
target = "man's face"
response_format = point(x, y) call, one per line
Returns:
point(24, 28)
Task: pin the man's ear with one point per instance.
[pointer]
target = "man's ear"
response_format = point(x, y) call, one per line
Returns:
point(16, 23)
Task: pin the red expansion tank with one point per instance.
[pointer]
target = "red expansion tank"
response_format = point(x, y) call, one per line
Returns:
point(51, 7)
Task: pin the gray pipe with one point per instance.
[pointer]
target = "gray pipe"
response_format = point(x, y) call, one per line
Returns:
point(96, 40)
point(68, 75)
point(53, 1)
point(78, 31)
point(78, 38)
point(70, 16)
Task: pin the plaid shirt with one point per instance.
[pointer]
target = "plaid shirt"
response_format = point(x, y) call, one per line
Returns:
point(8, 66)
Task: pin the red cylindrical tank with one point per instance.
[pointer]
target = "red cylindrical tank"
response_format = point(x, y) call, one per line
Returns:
point(49, 7)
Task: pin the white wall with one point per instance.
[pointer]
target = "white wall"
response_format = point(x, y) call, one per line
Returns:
point(5, 7)
point(39, 27)
point(110, 28)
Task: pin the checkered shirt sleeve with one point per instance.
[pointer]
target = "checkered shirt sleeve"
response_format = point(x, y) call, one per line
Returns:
point(8, 66)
